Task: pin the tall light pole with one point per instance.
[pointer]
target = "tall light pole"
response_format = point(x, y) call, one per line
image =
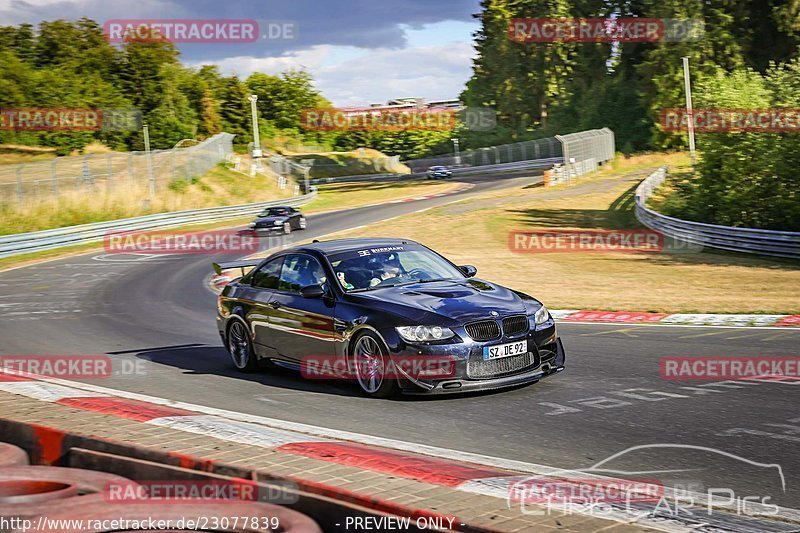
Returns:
point(456, 151)
point(689, 112)
point(256, 140)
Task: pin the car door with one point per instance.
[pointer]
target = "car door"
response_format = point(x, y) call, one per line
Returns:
point(301, 327)
point(263, 286)
point(295, 214)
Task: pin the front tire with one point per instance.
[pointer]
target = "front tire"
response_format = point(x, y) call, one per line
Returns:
point(370, 361)
point(287, 228)
point(241, 348)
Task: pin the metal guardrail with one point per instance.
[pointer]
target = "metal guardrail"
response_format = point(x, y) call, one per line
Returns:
point(36, 241)
point(463, 171)
point(746, 240)
point(492, 155)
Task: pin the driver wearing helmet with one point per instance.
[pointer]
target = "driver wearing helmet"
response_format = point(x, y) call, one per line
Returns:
point(384, 266)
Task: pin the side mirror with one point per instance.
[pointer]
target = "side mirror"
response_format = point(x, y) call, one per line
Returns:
point(468, 270)
point(312, 291)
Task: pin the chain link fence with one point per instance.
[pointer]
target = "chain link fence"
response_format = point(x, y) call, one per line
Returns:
point(290, 171)
point(583, 154)
point(107, 173)
point(493, 155)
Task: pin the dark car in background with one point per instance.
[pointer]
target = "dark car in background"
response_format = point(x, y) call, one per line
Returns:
point(394, 313)
point(280, 218)
point(439, 172)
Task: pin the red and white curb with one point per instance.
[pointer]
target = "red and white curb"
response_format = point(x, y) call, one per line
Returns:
point(460, 471)
point(694, 319)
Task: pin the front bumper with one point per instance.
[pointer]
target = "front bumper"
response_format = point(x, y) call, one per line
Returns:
point(267, 229)
point(545, 350)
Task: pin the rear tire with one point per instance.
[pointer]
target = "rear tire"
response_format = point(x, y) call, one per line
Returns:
point(370, 360)
point(303, 223)
point(240, 347)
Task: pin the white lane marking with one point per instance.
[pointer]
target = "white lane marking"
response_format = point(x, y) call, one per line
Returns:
point(233, 431)
point(132, 257)
point(48, 392)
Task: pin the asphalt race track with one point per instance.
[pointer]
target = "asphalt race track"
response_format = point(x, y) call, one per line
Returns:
point(155, 311)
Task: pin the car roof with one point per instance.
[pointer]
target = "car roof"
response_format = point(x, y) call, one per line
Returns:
point(277, 207)
point(343, 245)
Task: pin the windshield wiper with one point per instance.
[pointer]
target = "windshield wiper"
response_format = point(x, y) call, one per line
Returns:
point(364, 289)
point(421, 281)
point(412, 282)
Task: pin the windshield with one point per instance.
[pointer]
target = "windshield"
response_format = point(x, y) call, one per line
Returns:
point(374, 268)
point(274, 212)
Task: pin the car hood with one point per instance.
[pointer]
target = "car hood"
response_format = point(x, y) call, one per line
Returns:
point(460, 301)
point(270, 220)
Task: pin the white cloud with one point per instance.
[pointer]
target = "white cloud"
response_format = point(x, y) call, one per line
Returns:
point(311, 59)
point(350, 78)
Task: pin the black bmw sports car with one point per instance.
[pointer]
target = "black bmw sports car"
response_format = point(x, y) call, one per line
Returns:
point(282, 218)
point(391, 315)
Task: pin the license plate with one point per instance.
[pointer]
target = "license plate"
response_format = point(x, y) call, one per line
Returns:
point(505, 350)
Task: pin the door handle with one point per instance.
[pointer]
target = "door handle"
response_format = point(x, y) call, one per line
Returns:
point(274, 305)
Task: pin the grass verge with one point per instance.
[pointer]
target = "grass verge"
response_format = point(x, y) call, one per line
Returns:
point(220, 186)
point(477, 232)
point(330, 197)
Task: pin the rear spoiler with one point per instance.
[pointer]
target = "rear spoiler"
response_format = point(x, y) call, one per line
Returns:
point(230, 265)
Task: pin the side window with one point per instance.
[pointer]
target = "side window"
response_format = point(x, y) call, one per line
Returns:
point(268, 275)
point(300, 271)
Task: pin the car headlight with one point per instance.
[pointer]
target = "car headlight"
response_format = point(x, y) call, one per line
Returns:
point(424, 333)
point(277, 223)
point(541, 316)
point(252, 224)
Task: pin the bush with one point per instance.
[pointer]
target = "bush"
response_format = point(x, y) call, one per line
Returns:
point(745, 179)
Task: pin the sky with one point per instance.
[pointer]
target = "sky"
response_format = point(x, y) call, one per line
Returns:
point(358, 51)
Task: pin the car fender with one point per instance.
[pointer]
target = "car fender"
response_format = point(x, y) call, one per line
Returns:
point(357, 331)
point(237, 313)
